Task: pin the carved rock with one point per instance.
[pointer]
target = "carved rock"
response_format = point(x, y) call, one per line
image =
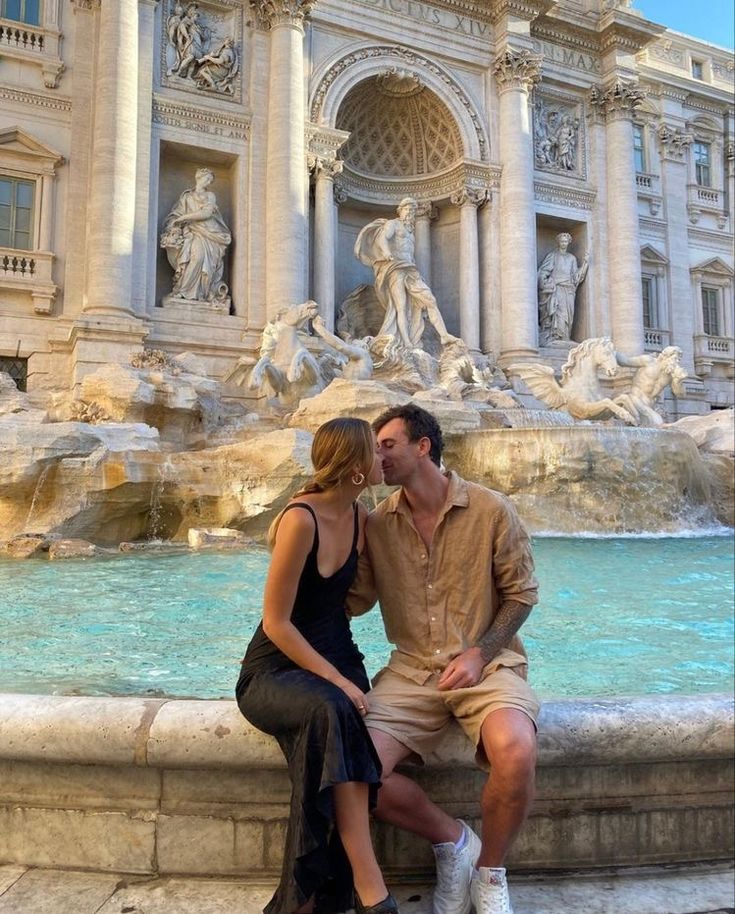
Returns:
point(362, 399)
point(713, 433)
point(25, 546)
point(72, 549)
point(201, 538)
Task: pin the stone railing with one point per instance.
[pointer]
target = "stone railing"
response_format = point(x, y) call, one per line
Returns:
point(655, 340)
point(649, 188)
point(34, 44)
point(713, 346)
point(647, 182)
point(29, 271)
point(706, 197)
point(143, 785)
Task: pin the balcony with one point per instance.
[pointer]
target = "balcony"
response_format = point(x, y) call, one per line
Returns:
point(713, 349)
point(708, 200)
point(655, 340)
point(33, 44)
point(649, 188)
point(29, 271)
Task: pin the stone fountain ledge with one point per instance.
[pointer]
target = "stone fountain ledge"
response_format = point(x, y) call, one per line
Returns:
point(184, 786)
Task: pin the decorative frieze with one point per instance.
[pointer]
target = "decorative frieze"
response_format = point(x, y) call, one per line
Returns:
point(617, 100)
point(564, 196)
point(272, 13)
point(200, 120)
point(466, 175)
point(517, 69)
point(558, 144)
point(673, 142)
point(409, 58)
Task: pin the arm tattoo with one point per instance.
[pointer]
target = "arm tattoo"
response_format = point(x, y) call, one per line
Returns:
point(506, 623)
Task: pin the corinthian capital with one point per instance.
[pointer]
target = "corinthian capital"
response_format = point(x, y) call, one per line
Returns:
point(516, 69)
point(617, 100)
point(673, 142)
point(469, 195)
point(329, 167)
point(283, 12)
point(88, 6)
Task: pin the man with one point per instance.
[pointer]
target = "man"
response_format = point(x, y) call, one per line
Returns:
point(387, 245)
point(655, 373)
point(451, 565)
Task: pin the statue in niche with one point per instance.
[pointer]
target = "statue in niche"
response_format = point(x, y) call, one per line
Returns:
point(218, 71)
point(556, 134)
point(579, 391)
point(387, 245)
point(558, 278)
point(655, 373)
point(196, 239)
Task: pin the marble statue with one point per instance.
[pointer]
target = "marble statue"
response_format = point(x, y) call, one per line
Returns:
point(387, 245)
point(172, 30)
point(196, 240)
point(218, 71)
point(286, 367)
point(192, 40)
point(654, 374)
point(558, 279)
point(579, 391)
point(355, 358)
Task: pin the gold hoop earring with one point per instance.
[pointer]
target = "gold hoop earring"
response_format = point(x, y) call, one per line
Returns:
point(358, 479)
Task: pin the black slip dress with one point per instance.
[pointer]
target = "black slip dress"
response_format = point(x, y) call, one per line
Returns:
point(319, 730)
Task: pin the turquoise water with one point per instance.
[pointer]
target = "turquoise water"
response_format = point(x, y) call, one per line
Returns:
point(616, 617)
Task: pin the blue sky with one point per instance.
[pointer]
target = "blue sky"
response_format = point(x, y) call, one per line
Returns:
point(712, 20)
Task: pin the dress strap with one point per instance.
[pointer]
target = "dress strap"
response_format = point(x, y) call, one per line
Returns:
point(356, 534)
point(302, 504)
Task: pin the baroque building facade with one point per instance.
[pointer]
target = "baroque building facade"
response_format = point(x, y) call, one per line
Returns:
point(173, 174)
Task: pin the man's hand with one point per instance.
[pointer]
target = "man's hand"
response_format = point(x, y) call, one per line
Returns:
point(463, 671)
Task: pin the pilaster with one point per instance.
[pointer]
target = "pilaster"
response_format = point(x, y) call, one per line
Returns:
point(673, 143)
point(468, 200)
point(516, 72)
point(615, 103)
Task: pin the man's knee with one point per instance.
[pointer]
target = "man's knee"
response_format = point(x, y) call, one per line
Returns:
point(389, 749)
point(509, 740)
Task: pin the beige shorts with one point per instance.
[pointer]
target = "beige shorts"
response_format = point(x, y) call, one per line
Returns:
point(418, 715)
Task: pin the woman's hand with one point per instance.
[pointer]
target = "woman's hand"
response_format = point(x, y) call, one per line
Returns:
point(356, 695)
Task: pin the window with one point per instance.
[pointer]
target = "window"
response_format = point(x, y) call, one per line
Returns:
point(650, 304)
point(697, 69)
point(639, 149)
point(702, 164)
point(21, 10)
point(710, 311)
point(16, 213)
point(17, 369)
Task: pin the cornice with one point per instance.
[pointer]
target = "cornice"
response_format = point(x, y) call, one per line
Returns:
point(558, 32)
point(54, 103)
point(561, 195)
point(201, 120)
point(519, 9)
point(472, 177)
point(622, 30)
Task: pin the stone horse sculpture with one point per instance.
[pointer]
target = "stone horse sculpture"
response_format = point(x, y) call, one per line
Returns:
point(285, 366)
point(579, 391)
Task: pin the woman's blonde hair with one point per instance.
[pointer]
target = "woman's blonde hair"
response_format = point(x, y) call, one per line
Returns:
point(339, 446)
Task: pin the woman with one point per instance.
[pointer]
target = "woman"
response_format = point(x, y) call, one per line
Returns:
point(303, 681)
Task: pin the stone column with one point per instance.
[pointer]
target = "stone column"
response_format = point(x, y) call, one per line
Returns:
point(516, 73)
point(468, 200)
point(114, 156)
point(673, 144)
point(425, 212)
point(489, 235)
point(286, 227)
point(325, 235)
point(616, 103)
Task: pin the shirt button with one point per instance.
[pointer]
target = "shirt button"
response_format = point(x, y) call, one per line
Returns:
point(429, 586)
point(433, 618)
point(423, 556)
point(437, 651)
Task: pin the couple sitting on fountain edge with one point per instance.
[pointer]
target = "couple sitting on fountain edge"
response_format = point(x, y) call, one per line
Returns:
point(451, 565)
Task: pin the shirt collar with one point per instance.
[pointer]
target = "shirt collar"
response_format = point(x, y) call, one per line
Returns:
point(457, 496)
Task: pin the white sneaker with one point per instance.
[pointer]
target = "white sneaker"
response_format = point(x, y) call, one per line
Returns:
point(489, 891)
point(454, 870)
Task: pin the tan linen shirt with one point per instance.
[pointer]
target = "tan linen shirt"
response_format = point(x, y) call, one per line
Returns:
point(437, 602)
